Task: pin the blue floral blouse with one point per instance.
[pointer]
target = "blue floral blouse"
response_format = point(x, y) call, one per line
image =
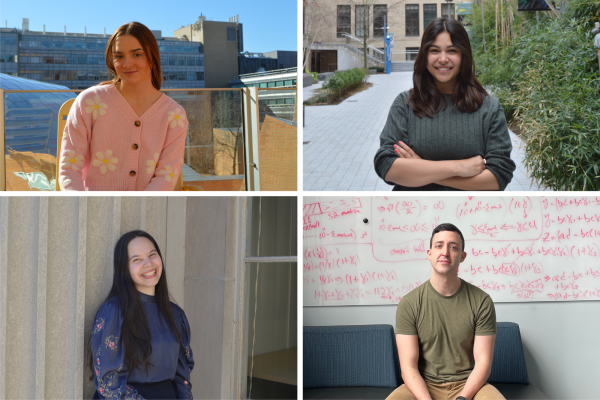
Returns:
point(169, 359)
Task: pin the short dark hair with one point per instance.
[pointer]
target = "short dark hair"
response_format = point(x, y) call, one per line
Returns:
point(447, 227)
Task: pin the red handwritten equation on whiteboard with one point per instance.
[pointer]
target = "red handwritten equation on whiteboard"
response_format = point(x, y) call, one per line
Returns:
point(373, 250)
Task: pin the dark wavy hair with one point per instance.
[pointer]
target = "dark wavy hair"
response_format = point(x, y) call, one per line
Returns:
point(149, 44)
point(447, 227)
point(468, 93)
point(135, 333)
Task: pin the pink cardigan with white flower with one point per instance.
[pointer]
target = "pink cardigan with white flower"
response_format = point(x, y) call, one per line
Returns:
point(106, 146)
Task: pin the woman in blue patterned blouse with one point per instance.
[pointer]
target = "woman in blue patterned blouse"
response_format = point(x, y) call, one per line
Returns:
point(140, 343)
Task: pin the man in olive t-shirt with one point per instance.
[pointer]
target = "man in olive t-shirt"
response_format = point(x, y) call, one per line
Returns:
point(445, 330)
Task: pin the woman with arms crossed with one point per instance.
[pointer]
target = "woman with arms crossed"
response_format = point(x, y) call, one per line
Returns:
point(140, 342)
point(125, 134)
point(446, 133)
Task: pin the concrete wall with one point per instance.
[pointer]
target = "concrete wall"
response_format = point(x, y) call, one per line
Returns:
point(220, 55)
point(560, 339)
point(56, 268)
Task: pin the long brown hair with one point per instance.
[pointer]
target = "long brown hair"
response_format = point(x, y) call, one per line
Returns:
point(468, 93)
point(148, 42)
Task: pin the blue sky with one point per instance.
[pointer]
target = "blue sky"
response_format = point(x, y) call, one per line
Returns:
point(268, 24)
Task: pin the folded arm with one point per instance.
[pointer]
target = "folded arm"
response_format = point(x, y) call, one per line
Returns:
point(412, 171)
point(408, 351)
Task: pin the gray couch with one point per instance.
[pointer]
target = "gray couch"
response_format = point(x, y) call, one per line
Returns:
point(361, 362)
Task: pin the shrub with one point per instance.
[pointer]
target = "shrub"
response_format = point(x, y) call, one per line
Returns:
point(547, 79)
point(344, 81)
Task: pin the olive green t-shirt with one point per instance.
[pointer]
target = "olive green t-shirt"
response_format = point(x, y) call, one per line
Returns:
point(446, 326)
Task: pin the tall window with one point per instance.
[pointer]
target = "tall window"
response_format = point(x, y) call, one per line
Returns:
point(362, 21)
point(448, 9)
point(379, 14)
point(412, 20)
point(429, 14)
point(343, 20)
point(230, 34)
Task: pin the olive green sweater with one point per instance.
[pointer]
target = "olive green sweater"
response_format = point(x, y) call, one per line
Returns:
point(449, 135)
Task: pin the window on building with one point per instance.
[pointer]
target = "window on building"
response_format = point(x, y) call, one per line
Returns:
point(270, 84)
point(69, 45)
point(191, 76)
point(181, 61)
point(231, 34)
point(199, 76)
point(181, 76)
point(429, 14)
point(172, 60)
point(90, 45)
point(48, 60)
point(411, 53)
point(412, 19)
point(343, 20)
point(79, 46)
point(379, 16)
point(263, 85)
point(278, 83)
point(448, 10)
point(190, 61)
point(199, 62)
point(81, 75)
point(362, 20)
point(82, 59)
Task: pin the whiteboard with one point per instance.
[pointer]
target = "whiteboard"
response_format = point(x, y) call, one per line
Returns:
point(373, 250)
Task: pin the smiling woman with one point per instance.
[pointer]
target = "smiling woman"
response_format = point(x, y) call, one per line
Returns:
point(125, 134)
point(447, 132)
point(140, 343)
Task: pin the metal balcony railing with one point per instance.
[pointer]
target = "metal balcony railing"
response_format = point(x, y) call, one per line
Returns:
point(377, 53)
point(222, 150)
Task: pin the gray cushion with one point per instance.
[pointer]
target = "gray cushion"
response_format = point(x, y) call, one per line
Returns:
point(351, 355)
point(508, 365)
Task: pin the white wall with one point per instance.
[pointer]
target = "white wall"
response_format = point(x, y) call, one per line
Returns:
point(561, 340)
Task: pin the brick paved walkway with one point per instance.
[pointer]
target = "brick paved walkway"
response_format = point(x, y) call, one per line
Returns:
point(342, 139)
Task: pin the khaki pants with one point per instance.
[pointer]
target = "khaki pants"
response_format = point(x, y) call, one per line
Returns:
point(447, 391)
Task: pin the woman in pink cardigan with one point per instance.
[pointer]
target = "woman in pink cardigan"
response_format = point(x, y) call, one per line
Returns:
point(125, 134)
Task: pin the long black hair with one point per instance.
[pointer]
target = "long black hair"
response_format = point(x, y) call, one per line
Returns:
point(135, 333)
point(468, 93)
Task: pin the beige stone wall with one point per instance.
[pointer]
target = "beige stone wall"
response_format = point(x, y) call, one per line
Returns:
point(56, 268)
point(396, 20)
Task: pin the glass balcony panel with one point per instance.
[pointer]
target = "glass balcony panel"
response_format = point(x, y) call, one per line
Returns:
point(214, 150)
point(278, 118)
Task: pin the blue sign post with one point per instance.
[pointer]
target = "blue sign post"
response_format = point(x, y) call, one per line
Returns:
point(387, 56)
point(389, 41)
